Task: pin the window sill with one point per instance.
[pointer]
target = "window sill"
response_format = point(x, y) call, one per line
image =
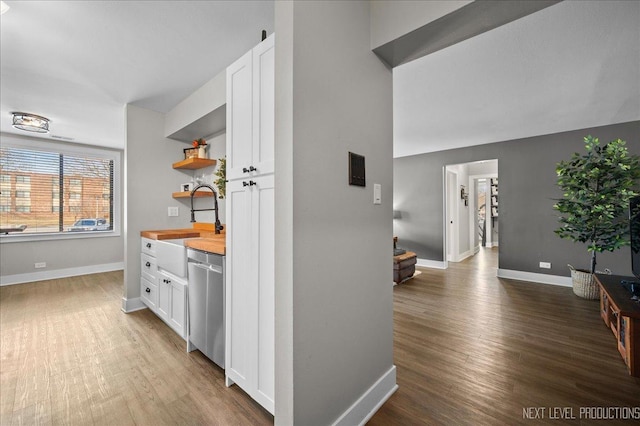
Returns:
point(24, 238)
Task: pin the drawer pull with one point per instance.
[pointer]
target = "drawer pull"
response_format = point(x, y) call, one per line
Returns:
point(148, 264)
point(148, 290)
point(148, 245)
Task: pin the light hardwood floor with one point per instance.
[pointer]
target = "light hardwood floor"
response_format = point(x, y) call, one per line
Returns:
point(470, 349)
point(69, 355)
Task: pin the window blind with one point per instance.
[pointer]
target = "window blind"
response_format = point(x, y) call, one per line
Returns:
point(54, 192)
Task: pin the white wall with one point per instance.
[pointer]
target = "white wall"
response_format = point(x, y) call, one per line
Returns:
point(334, 247)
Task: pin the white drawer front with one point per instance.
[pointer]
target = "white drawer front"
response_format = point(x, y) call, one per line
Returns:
point(148, 267)
point(148, 246)
point(149, 293)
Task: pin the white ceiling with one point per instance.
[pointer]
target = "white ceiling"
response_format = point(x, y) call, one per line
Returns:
point(570, 66)
point(79, 62)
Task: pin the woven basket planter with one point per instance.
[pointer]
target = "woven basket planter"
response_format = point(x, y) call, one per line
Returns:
point(584, 284)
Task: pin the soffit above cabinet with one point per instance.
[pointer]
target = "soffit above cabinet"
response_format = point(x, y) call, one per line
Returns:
point(201, 114)
point(209, 125)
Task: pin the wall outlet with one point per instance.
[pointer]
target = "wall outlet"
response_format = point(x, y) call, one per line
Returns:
point(173, 211)
point(545, 265)
point(40, 265)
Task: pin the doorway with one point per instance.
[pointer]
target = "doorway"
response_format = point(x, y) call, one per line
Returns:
point(471, 209)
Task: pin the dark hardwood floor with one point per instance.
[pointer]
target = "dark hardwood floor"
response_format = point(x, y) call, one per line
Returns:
point(470, 349)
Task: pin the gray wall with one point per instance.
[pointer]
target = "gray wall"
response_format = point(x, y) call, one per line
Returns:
point(526, 169)
point(391, 19)
point(150, 181)
point(334, 297)
point(82, 254)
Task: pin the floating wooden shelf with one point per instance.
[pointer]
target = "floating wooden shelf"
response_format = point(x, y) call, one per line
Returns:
point(187, 194)
point(194, 163)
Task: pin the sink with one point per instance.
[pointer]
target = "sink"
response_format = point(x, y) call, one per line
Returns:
point(171, 256)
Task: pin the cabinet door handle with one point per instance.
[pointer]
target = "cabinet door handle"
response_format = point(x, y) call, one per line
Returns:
point(148, 245)
point(251, 183)
point(148, 290)
point(148, 264)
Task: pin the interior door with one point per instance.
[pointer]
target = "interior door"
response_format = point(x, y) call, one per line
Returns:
point(451, 228)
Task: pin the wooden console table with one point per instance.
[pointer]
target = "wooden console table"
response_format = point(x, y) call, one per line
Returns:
point(622, 315)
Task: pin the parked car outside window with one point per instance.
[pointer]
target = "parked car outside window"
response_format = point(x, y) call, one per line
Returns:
point(90, 225)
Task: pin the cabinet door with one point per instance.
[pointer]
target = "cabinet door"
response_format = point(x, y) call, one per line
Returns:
point(263, 218)
point(240, 294)
point(177, 314)
point(239, 120)
point(164, 296)
point(263, 106)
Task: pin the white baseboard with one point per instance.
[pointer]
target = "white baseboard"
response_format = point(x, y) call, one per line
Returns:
point(465, 255)
point(366, 406)
point(59, 273)
point(426, 263)
point(132, 305)
point(534, 277)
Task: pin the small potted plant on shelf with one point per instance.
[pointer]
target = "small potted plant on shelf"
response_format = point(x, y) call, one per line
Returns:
point(201, 146)
point(596, 189)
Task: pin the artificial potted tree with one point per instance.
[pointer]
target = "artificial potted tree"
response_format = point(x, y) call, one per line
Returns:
point(596, 189)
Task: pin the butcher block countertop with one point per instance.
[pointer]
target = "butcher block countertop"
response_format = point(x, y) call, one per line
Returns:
point(171, 234)
point(211, 244)
point(202, 237)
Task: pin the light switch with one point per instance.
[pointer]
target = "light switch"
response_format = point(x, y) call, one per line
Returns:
point(377, 193)
point(173, 211)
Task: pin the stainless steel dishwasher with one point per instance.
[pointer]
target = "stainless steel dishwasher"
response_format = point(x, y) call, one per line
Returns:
point(206, 304)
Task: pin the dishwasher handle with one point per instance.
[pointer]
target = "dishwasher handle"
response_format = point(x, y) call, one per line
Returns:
point(213, 268)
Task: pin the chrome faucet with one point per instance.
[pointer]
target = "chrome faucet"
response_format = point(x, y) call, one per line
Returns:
point(219, 227)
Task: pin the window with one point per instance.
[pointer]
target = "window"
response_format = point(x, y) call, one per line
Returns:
point(55, 186)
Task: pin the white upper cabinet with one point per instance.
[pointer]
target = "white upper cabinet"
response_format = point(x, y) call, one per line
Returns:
point(250, 112)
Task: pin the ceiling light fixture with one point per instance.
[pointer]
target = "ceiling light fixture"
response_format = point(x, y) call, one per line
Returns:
point(30, 122)
point(3, 7)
